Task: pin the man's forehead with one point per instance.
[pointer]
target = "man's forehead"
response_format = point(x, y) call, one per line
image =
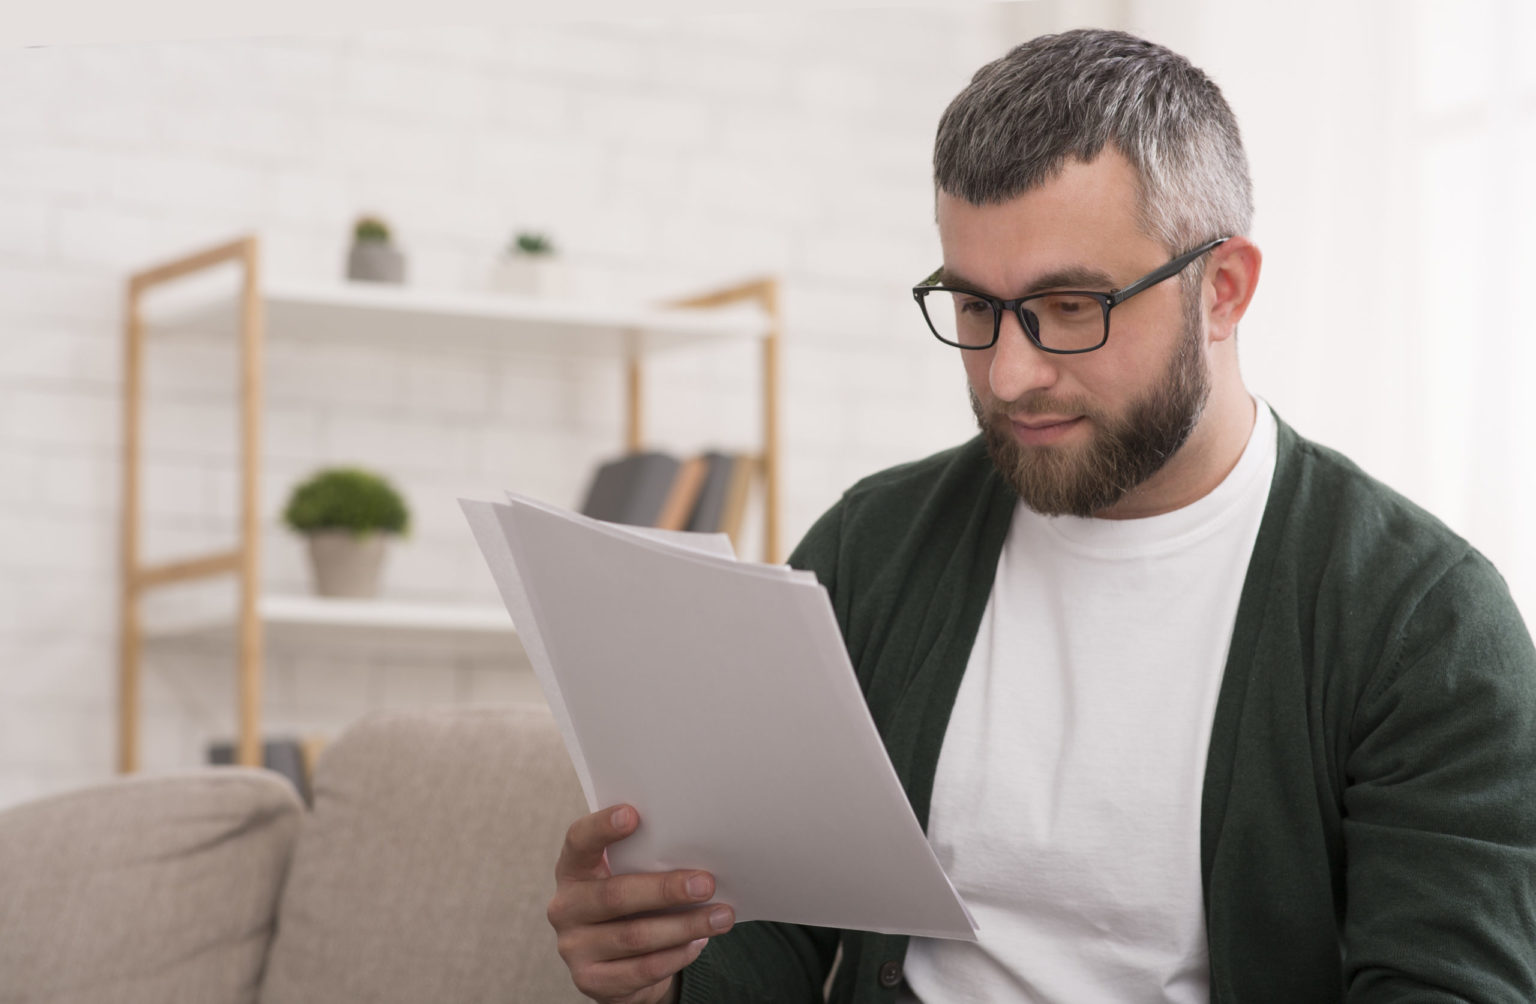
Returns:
point(1080, 230)
point(1008, 258)
point(1069, 276)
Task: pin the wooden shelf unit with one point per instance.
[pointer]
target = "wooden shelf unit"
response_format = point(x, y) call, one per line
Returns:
point(517, 324)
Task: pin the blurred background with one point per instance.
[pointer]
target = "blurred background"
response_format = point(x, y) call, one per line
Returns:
point(1391, 145)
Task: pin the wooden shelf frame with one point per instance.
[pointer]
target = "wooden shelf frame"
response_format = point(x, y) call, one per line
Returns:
point(244, 561)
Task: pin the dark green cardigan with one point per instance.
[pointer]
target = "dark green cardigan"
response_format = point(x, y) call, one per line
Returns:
point(1368, 823)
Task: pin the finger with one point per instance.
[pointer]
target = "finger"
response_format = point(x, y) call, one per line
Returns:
point(626, 976)
point(602, 900)
point(582, 855)
point(634, 937)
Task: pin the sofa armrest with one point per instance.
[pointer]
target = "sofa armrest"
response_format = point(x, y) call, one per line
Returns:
point(154, 889)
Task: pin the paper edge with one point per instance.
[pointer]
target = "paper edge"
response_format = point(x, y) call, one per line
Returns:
point(532, 640)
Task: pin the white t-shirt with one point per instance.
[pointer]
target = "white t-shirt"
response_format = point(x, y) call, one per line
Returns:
point(1066, 806)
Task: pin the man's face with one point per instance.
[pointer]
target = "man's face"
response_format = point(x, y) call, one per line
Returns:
point(1076, 434)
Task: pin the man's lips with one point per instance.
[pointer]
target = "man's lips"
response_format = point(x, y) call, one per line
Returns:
point(1039, 430)
point(1039, 422)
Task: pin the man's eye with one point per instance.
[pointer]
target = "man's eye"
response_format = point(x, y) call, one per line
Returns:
point(1066, 307)
point(971, 305)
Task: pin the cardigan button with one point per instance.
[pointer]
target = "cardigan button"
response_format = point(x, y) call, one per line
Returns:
point(890, 975)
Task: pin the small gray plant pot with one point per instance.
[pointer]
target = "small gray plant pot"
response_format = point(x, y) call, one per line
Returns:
point(371, 261)
point(345, 564)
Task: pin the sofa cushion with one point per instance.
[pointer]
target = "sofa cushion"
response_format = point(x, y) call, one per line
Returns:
point(157, 889)
point(424, 870)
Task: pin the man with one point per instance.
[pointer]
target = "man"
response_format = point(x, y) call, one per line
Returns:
point(1191, 708)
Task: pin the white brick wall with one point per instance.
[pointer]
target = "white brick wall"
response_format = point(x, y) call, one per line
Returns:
point(663, 157)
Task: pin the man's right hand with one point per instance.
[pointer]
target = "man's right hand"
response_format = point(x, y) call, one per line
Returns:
point(619, 950)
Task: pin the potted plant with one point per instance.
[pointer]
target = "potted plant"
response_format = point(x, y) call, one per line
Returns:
point(346, 513)
point(373, 258)
point(529, 265)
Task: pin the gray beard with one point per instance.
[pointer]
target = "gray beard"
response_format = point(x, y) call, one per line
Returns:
point(1121, 455)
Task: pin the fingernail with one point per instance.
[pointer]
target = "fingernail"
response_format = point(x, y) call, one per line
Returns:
point(620, 818)
point(698, 944)
point(720, 918)
point(698, 887)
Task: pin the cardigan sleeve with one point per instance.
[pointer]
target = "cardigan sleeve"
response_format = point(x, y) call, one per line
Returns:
point(762, 962)
point(1440, 804)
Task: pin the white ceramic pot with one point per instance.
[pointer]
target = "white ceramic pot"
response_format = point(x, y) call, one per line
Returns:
point(345, 564)
point(528, 275)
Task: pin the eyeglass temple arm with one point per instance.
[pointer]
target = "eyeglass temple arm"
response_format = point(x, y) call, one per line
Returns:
point(1172, 268)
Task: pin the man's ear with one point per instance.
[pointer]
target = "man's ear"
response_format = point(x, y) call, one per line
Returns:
point(1231, 276)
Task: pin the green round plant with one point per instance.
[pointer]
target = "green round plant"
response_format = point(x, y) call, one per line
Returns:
point(346, 498)
point(530, 243)
point(370, 229)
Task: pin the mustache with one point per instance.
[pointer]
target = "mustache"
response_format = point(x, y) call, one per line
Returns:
point(1032, 404)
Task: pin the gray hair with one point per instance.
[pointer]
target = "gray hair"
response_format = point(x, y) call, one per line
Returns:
point(1068, 95)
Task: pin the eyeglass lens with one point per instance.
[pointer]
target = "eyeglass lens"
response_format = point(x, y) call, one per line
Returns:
point(1062, 321)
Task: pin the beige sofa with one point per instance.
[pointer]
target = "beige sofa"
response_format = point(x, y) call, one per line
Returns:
point(421, 875)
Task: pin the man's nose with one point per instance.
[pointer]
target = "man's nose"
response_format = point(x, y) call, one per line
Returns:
point(1019, 366)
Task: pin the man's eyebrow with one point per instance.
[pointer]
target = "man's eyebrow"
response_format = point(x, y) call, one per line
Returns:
point(1070, 277)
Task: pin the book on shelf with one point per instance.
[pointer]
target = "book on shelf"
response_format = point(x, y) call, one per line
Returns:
point(635, 489)
point(710, 507)
point(723, 497)
point(703, 494)
point(684, 495)
point(292, 758)
point(742, 473)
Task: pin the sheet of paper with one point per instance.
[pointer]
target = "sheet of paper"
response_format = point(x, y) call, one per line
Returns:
point(717, 697)
point(485, 524)
point(718, 544)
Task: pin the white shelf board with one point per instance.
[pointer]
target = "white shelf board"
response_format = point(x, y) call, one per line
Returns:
point(376, 311)
point(289, 618)
point(388, 615)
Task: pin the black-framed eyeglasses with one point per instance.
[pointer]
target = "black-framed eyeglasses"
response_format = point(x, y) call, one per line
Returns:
point(1065, 322)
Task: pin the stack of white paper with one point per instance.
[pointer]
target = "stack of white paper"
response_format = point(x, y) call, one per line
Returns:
point(716, 697)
